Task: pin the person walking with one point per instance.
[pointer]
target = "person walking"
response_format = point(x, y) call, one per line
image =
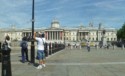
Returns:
point(24, 49)
point(88, 46)
point(40, 50)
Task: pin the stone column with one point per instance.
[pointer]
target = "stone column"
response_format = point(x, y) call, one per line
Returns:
point(78, 36)
point(57, 35)
point(45, 35)
point(52, 35)
point(48, 35)
point(60, 35)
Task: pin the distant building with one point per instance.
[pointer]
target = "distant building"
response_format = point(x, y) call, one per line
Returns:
point(62, 34)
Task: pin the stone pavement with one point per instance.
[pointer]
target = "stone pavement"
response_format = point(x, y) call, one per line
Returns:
point(75, 62)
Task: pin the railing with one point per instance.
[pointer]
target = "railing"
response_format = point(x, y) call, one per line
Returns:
point(51, 48)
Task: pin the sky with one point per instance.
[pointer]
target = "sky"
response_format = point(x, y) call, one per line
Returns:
point(70, 13)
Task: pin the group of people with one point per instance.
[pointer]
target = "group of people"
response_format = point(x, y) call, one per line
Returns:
point(79, 45)
point(40, 49)
point(24, 48)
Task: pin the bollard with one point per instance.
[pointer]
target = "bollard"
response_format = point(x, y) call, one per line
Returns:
point(45, 49)
point(6, 64)
point(56, 47)
point(53, 48)
point(48, 49)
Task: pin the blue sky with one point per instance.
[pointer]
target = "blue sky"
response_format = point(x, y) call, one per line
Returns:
point(70, 13)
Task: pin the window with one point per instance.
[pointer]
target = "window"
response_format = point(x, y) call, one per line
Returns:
point(96, 38)
point(67, 38)
point(107, 39)
point(111, 39)
point(89, 38)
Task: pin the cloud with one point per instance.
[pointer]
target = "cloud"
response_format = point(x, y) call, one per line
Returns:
point(53, 9)
point(110, 4)
point(14, 3)
point(19, 12)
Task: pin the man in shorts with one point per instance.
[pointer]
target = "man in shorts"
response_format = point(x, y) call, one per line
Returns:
point(40, 52)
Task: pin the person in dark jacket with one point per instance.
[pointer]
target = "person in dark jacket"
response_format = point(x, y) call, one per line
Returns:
point(24, 49)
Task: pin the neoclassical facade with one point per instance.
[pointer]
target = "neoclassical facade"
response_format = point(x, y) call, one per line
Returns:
point(56, 33)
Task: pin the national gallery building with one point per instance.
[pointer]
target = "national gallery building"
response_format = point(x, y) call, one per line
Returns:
point(56, 33)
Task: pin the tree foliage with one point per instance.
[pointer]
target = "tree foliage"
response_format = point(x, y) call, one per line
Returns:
point(121, 33)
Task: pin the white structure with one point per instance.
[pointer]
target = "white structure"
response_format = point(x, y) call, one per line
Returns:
point(57, 34)
point(55, 24)
point(15, 35)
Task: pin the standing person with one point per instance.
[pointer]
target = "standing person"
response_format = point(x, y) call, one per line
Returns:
point(6, 58)
point(40, 51)
point(88, 46)
point(6, 45)
point(24, 49)
point(7, 40)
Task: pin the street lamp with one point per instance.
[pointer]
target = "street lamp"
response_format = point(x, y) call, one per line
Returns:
point(32, 41)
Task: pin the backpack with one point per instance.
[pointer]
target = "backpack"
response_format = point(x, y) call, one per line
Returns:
point(5, 47)
point(43, 41)
point(24, 45)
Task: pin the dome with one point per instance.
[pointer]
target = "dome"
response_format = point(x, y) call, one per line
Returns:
point(55, 24)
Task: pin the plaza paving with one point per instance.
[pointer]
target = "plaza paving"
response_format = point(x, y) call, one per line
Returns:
point(75, 62)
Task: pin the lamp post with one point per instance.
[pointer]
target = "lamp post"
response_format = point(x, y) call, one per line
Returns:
point(32, 41)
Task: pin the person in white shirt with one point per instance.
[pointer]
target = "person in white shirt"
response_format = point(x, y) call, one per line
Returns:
point(40, 50)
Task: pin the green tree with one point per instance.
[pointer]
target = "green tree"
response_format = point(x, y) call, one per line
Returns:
point(121, 33)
